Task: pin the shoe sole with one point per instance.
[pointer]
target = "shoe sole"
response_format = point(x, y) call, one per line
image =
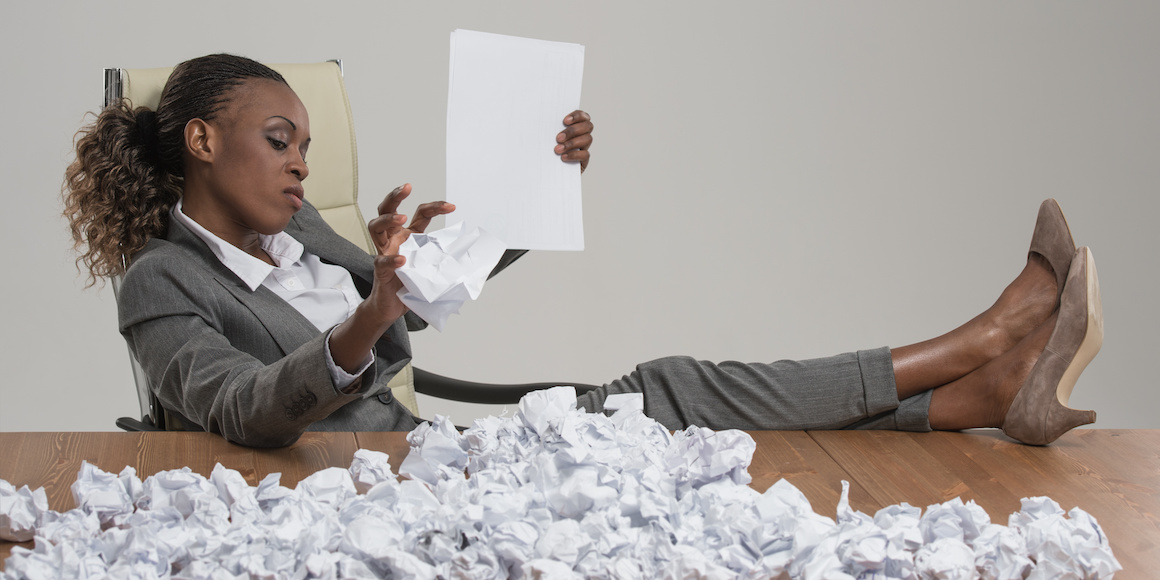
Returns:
point(1093, 337)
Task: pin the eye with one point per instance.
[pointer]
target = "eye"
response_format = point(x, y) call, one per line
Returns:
point(276, 144)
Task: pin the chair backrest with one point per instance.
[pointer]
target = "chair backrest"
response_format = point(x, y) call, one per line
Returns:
point(333, 184)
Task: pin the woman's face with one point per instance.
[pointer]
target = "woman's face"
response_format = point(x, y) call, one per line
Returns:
point(259, 160)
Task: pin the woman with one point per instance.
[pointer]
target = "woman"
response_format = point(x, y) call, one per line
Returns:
point(254, 320)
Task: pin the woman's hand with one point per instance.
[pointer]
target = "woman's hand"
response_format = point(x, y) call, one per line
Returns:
point(353, 339)
point(388, 234)
point(575, 139)
point(390, 220)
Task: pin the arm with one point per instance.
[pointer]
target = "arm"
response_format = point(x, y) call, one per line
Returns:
point(351, 341)
point(242, 364)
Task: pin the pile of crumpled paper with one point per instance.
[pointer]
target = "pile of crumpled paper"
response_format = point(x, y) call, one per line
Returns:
point(551, 492)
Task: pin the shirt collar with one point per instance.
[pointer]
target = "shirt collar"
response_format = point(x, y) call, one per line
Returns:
point(284, 249)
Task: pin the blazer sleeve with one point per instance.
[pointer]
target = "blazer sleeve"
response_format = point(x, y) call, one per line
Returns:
point(210, 358)
point(508, 258)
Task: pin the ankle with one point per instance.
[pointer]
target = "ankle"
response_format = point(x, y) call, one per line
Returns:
point(1023, 306)
point(995, 337)
point(1011, 371)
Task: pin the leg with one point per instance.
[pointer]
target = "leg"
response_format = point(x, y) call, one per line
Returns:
point(978, 372)
point(857, 390)
point(981, 398)
point(1026, 390)
point(826, 393)
point(1022, 307)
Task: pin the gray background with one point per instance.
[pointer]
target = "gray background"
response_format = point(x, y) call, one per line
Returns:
point(770, 179)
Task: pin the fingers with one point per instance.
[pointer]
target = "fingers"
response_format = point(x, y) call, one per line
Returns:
point(580, 154)
point(576, 138)
point(388, 234)
point(385, 266)
point(576, 150)
point(387, 285)
point(389, 253)
point(581, 143)
point(389, 219)
point(387, 262)
point(384, 229)
point(390, 203)
point(427, 211)
point(577, 116)
point(574, 130)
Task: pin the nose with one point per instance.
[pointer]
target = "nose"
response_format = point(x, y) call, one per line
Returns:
point(299, 168)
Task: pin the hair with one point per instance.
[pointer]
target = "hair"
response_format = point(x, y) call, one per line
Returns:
point(129, 170)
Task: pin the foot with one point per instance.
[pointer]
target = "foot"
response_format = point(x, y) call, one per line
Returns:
point(1022, 307)
point(983, 397)
point(1039, 413)
point(1025, 303)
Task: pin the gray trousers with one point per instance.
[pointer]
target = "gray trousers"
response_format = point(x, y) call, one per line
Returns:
point(848, 391)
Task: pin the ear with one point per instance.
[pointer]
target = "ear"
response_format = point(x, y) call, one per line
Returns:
point(200, 140)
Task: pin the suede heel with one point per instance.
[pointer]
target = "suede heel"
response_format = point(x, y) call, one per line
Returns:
point(1052, 240)
point(1039, 413)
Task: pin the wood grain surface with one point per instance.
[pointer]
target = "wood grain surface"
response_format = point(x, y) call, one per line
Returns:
point(1112, 474)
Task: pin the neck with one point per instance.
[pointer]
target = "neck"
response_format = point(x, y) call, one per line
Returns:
point(233, 233)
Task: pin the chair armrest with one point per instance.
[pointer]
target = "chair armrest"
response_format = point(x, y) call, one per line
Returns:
point(130, 424)
point(470, 392)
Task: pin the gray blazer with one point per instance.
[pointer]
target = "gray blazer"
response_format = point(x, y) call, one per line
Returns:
point(245, 363)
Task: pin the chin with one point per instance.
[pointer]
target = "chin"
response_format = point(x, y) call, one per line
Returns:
point(274, 228)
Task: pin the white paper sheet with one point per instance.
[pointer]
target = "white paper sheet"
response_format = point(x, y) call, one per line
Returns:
point(507, 98)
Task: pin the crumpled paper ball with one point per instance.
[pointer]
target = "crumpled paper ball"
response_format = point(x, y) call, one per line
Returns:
point(551, 492)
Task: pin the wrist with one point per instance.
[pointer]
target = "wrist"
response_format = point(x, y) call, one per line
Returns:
point(371, 314)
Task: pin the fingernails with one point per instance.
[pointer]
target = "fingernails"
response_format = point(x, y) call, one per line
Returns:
point(559, 149)
point(568, 119)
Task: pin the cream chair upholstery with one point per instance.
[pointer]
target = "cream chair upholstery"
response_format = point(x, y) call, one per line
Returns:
point(333, 183)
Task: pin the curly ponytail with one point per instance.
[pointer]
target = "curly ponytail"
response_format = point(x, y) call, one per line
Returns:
point(128, 169)
point(117, 196)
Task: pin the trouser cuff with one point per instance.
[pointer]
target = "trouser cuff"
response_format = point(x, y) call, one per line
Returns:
point(910, 414)
point(913, 413)
point(878, 386)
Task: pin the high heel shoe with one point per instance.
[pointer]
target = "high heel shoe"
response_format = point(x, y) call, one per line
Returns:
point(1039, 413)
point(1052, 240)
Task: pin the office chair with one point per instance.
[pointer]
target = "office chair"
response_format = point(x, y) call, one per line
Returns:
point(334, 192)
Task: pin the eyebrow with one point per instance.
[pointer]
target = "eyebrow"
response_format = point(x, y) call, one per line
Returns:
point(292, 125)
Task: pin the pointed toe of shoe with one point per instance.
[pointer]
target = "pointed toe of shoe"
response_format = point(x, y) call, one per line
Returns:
point(1052, 240)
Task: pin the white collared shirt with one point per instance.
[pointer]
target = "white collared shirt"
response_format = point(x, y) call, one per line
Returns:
point(323, 293)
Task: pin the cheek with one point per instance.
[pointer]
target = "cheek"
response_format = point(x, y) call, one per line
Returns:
point(245, 165)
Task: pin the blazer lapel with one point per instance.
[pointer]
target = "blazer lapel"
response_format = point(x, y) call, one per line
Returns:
point(308, 227)
point(286, 326)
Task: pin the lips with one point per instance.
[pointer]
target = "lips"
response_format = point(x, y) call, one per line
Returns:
point(295, 193)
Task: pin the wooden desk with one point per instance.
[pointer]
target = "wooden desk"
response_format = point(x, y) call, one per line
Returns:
point(1112, 474)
